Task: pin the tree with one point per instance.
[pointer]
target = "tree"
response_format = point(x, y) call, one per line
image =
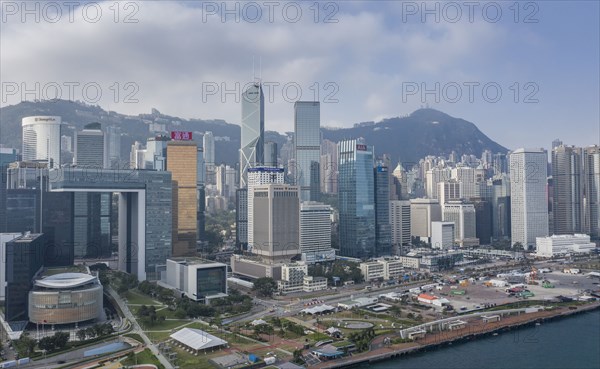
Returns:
point(265, 286)
point(81, 334)
point(60, 340)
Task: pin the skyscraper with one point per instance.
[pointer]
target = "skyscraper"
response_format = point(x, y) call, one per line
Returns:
point(315, 232)
point(208, 144)
point(591, 190)
point(356, 199)
point(400, 222)
point(41, 139)
point(112, 149)
point(463, 216)
point(567, 199)
point(270, 154)
point(528, 202)
point(252, 131)
point(155, 155)
point(307, 141)
point(182, 159)
point(276, 226)
point(383, 236)
point(259, 176)
point(89, 146)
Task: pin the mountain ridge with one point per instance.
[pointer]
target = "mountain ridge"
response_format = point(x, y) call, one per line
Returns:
point(408, 138)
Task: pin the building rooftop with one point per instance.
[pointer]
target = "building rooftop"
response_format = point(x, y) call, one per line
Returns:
point(65, 280)
point(197, 339)
point(193, 260)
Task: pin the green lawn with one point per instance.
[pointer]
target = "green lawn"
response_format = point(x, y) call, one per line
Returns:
point(162, 326)
point(185, 360)
point(144, 357)
point(138, 298)
point(135, 336)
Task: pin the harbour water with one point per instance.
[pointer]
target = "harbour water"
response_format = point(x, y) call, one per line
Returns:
point(569, 343)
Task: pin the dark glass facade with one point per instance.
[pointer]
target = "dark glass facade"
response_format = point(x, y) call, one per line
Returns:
point(211, 281)
point(356, 199)
point(24, 258)
point(383, 229)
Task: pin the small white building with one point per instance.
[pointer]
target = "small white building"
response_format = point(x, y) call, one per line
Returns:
point(312, 284)
point(442, 235)
point(372, 270)
point(196, 278)
point(563, 244)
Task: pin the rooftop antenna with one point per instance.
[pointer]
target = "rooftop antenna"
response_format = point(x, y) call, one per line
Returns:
point(253, 70)
point(260, 69)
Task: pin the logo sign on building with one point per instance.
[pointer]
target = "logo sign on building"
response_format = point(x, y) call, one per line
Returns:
point(181, 136)
point(361, 147)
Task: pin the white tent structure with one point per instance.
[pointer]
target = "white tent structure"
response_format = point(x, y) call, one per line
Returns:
point(196, 340)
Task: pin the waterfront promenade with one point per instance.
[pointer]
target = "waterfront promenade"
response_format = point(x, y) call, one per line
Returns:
point(474, 328)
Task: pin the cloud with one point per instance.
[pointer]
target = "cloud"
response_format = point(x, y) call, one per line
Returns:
point(177, 49)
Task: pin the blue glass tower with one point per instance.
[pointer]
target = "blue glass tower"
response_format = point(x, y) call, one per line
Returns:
point(383, 229)
point(356, 197)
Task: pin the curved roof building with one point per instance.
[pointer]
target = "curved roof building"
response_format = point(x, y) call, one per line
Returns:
point(66, 298)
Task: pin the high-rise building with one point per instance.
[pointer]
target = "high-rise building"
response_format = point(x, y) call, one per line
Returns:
point(422, 213)
point(7, 156)
point(182, 159)
point(24, 258)
point(145, 213)
point(252, 131)
point(307, 142)
point(241, 219)
point(483, 216)
point(448, 191)
point(270, 154)
point(208, 144)
point(528, 201)
point(92, 211)
point(66, 143)
point(155, 155)
point(258, 176)
point(591, 190)
point(113, 147)
point(567, 185)
point(500, 200)
point(463, 217)
point(315, 232)
point(329, 165)
point(41, 139)
point(276, 225)
point(400, 222)
point(399, 183)
point(433, 177)
point(383, 232)
point(356, 199)
point(468, 179)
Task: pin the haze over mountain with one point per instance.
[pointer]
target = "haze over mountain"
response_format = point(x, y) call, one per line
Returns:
point(409, 138)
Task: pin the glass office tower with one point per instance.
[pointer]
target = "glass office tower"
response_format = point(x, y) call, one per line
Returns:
point(307, 145)
point(383, 233)
point(252, 131)
point(356, 199)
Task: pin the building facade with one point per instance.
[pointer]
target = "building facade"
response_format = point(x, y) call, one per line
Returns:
point(315, 232)
point(383, 231)
point(356, 199)
point(198, 279)
point(181, 162)
point(307, 147)
point(560, 245)
point(252, 131)
point(41, 139)
point(528, 202)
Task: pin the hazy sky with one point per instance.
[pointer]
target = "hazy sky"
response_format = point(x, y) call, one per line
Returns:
point(363, 60)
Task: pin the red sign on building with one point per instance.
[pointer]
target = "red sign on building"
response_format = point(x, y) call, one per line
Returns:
point(181, 136)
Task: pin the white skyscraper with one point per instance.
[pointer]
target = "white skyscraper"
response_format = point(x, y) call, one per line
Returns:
point(41, 139)
point(259, 176)
point(463, 217)
point(315, 232)
point(529, 200)
point(400, 222)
